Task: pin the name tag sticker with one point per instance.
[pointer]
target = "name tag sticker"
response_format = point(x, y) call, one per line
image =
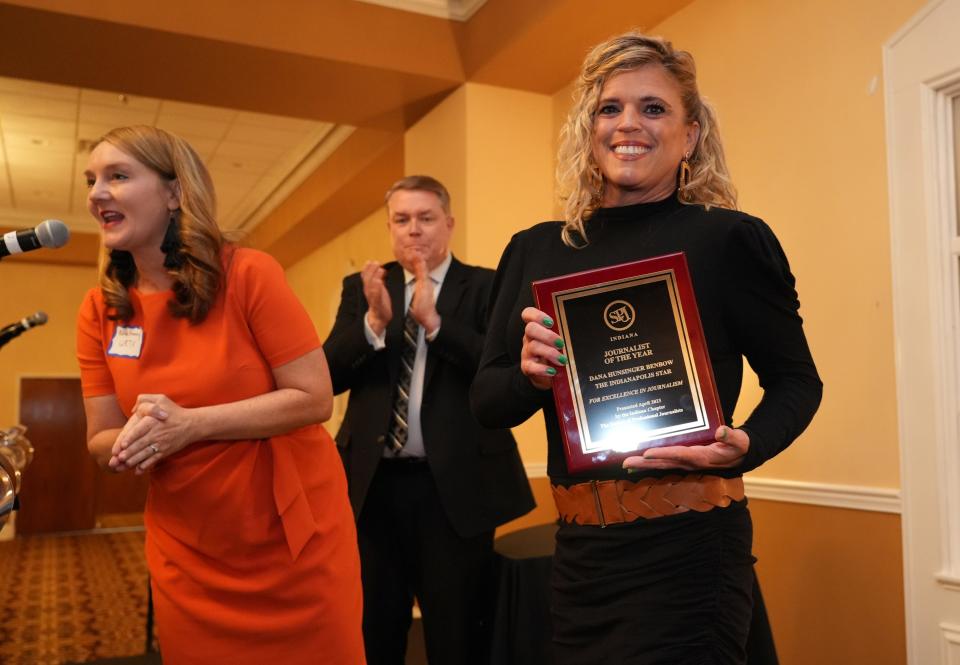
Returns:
point(127, 342)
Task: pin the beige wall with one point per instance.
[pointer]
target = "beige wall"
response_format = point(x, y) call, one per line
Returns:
point(832, 580)
point(798, 87)
point(800, 102)
point(317, 279)
point(801, 109)
point(437, 146)
point(799, 94)
point(492, 148)
point(510, 146)
point(48, 350)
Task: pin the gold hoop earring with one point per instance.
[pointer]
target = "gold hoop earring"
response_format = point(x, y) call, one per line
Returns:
point(597, 193)
point(685, 172)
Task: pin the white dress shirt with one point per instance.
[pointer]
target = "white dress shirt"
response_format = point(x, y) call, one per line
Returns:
point(414, 446)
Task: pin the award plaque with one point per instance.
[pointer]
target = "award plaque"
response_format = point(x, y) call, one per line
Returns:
point(638, 374)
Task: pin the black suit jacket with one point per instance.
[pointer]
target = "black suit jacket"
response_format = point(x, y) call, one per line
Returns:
point(478, 472)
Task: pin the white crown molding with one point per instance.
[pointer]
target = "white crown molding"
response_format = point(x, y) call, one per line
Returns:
point(854, 497)
point(457, 10)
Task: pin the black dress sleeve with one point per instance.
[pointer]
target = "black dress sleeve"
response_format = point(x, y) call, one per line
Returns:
point(762, 314)
point(501, 396)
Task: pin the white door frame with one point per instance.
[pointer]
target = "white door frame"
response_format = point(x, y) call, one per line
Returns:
point(921, 77)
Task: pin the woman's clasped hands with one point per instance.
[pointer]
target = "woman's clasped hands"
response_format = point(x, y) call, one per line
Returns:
point(157, 428)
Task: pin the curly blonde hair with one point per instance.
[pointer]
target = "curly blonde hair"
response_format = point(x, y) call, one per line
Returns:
point(193, 242)
point(578, 176)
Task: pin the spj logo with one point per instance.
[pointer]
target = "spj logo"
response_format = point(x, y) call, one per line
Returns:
point(619, 315)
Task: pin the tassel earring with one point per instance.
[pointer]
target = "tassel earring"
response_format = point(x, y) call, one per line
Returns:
point(172, 244)
point(685, 172)
point(122, 268)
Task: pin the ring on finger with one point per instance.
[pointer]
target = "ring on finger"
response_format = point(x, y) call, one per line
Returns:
point(154, 447)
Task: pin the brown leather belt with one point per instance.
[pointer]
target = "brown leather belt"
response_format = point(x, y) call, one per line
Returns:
point(606, 502)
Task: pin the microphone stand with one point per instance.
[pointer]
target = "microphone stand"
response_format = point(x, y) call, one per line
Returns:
point(17, 328)
point(5, 339)
point(4, 342)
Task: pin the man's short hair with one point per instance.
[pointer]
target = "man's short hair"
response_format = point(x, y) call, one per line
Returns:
point(424, 183)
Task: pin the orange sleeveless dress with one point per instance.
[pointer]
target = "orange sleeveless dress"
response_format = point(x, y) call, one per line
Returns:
point(251, 545)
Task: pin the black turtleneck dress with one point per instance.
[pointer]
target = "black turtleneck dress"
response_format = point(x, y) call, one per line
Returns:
point(674, 589)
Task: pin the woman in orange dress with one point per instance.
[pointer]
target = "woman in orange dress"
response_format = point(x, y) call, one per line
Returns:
point(200, 367)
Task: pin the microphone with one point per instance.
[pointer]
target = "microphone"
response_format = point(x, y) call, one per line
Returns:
point(51, 233)
point(16, 329)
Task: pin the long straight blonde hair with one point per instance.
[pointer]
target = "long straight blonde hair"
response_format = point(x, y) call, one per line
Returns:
point(578, 177)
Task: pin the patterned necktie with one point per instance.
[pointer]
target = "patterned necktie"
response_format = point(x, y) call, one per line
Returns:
point(397, 434)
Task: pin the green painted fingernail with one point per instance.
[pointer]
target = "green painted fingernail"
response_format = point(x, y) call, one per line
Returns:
point(562, 359)
point(631, 469)
point(558, 343)
point(548, 322)
point(551, 371)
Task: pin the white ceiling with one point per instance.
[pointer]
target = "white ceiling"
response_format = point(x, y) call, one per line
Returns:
point(45, 131)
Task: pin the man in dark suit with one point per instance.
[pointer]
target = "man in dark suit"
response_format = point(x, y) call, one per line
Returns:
point(428, 484)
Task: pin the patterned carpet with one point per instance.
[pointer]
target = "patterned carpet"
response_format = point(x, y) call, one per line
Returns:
point(72, 598)
point(68, 599)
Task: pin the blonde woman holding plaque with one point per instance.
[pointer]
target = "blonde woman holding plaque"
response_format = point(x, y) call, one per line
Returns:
point(644, 174)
